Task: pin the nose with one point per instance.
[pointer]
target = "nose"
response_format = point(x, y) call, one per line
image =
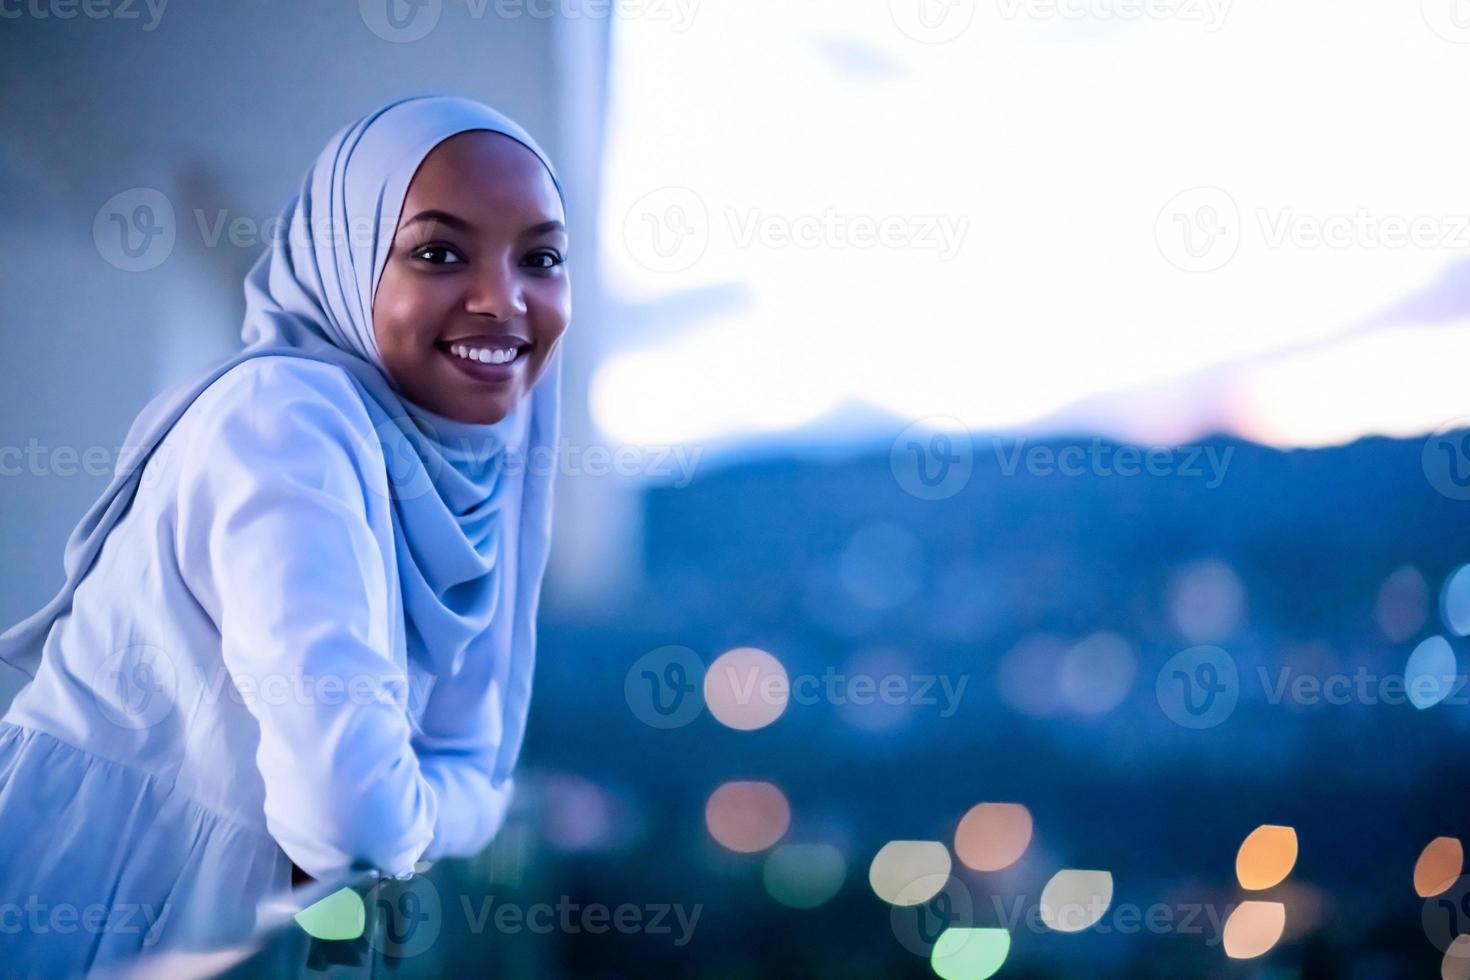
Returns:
point(496, 292)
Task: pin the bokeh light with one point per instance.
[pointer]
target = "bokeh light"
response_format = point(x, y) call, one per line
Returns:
point(1253, 928)
point(1454, 601)
point(1439, 866)
point(1456, 962)
point(746, 688)
point(747, 816)
point(1074, 900)
point(1403, 604)
point(579, 813)
point(881, 567)
point(1266, 857)
point(1430, 674)
point(1206, 601)
point(1029, 676)
point(900, 865)
point(993, 836)
point(339, 917)
point(804, 876)
point(970, 954)
point(1097, 673)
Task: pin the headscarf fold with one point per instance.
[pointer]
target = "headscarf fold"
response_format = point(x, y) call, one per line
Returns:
point(464, 495)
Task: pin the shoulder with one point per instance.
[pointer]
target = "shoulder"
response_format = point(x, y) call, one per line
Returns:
point(282, 411)
point(274, 381)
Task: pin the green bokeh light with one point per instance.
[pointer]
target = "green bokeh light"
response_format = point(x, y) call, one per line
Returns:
point(970, 954)
point(804, 876)
point(338, 916)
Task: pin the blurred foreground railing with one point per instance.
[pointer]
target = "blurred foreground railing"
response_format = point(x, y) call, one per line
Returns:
point(325, 928)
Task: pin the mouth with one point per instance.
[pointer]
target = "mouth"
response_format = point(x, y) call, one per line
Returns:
point(485, 357)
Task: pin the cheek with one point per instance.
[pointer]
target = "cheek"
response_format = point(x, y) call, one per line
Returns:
point(551, 312)
point(409, 308)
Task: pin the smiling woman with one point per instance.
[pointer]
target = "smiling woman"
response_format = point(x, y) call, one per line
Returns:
point(274, 654)
point(474, 299)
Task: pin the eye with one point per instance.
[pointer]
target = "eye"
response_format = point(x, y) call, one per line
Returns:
point(436, 253)
point(544, 259)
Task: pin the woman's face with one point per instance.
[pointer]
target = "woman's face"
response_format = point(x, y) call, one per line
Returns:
point(474, 296)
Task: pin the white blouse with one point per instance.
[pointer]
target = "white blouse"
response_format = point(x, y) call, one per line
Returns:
point(229, 692)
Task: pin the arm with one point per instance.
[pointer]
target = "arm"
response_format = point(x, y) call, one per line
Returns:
point(277, 507)
point(457, 747)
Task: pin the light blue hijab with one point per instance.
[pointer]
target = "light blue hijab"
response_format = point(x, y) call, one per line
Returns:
point(464, 496)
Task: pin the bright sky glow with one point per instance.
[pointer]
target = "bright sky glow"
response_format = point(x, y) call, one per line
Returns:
point(1034, 177)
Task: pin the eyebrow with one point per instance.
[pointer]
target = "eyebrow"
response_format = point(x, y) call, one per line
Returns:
point(459, 224)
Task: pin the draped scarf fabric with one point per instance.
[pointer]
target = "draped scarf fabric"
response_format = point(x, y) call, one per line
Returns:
point(463, 496)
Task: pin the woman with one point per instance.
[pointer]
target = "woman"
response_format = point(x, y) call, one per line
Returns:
point(298, 627)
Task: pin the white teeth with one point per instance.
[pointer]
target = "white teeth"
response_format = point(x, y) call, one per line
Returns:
point(485, 355)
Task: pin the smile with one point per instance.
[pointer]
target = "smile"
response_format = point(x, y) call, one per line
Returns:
point(493, 359)
point(485, 355)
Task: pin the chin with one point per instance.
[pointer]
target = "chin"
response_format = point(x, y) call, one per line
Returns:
point(479, 413)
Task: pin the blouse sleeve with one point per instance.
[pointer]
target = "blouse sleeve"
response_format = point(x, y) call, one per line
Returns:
point(282, 525)
point(458, 745)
